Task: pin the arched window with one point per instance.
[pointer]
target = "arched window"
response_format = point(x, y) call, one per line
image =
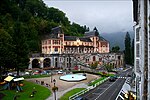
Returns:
point(56, 62)
point(94, 58)
point(47, 62)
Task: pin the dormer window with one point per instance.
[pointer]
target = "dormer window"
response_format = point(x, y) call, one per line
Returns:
point(78, 40)
point(61, 35)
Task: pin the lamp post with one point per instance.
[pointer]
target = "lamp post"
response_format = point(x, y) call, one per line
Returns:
point(54, 82)
point(54, 89)
point(51, 77)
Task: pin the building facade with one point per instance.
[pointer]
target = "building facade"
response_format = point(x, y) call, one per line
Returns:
point(141, 10)
point(60, 51)
point(69, 61)
point(58, 43)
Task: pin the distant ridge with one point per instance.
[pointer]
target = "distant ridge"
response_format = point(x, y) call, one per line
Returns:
point(117, 38)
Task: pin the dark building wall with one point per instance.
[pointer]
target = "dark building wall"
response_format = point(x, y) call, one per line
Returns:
point(135, 10)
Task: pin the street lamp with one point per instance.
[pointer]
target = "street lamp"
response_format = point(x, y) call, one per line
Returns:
point(51, 77)
point(54, 89)
point(54, 82)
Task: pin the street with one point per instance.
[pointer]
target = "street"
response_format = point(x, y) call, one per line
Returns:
point(108, 90)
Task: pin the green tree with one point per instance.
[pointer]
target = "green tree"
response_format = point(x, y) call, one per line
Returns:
point(115, 49)
point(21, 47)
point(57, 16)
point(36, 7)
point(6, 51)
point(24, 23)
point(109, 67)
point(94, 65)
point(128, 59)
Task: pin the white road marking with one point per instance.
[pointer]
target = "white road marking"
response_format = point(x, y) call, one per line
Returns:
point(105, 90)
point(115, 90)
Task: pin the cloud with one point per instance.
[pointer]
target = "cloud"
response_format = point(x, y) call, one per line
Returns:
point(108, 16)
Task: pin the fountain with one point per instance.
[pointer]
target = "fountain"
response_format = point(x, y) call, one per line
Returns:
point(73, 77)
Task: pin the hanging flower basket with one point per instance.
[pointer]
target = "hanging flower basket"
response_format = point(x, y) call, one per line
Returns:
point(54, 88)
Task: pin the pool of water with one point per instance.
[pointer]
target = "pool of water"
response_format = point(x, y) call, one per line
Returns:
point(73, 77)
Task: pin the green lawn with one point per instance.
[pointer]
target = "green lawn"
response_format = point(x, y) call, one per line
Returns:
point(41, 94)
point(70, 93)
point(111, 74)
point(96, 81)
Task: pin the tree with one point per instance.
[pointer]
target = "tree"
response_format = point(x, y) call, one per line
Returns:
point(94, 65)
point(115, 49)
point(6, 51)
point(21, 46)
point(108, 67)
point(23, 23)
point(128, 59)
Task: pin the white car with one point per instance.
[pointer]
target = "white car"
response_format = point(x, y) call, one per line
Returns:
point(27, 73)
point(60, 72)
point(10, 74)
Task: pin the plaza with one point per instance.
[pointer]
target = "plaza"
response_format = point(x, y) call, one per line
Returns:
point(64, 86)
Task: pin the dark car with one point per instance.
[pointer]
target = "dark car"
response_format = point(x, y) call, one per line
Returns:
point(112, 79)
point(115, 76)
point(129, 75)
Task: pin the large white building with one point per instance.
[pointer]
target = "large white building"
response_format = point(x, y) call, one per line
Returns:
point(60, 51)
point(141, 10)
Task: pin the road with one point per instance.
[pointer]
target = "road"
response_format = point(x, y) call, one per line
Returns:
point(108, 90)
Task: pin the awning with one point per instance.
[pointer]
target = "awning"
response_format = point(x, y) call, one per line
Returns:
point(18, 79)
point(9, 78)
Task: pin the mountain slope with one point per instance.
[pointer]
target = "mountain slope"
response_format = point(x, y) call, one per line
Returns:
point(117, 38)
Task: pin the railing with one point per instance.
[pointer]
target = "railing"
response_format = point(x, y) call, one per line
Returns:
point(87, 89)
point(80, 93)
point(100, 82)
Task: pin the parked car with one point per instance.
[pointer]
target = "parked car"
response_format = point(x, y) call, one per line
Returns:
point(60, 72)
point(10, 73)
point(115, 76)
point(129, 75)
point(112, 79)
point(36, 72)
point(27, 73)
point(43, 72)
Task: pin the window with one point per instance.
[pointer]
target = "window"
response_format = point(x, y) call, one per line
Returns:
point(42, 42)
point(137, 50)
point(56, 41)
point(68, 59)
point(56, 49)
point(137, 34)
point(100, 59)
point(94, 58)
point(137, 66)
point(118, 57)
point(45, 42)
point(86, 60)
point(61, 35)
point(49, 41)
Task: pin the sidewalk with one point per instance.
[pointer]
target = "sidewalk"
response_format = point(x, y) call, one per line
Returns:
point(61, 93)
point(125, 88)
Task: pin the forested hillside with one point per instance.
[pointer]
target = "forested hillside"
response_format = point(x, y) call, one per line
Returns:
point(23, 23)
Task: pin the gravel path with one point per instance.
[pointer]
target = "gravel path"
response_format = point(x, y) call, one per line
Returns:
point(64, 86)
point(61, 93)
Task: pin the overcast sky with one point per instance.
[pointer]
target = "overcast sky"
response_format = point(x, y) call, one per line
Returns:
point(108, 16)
